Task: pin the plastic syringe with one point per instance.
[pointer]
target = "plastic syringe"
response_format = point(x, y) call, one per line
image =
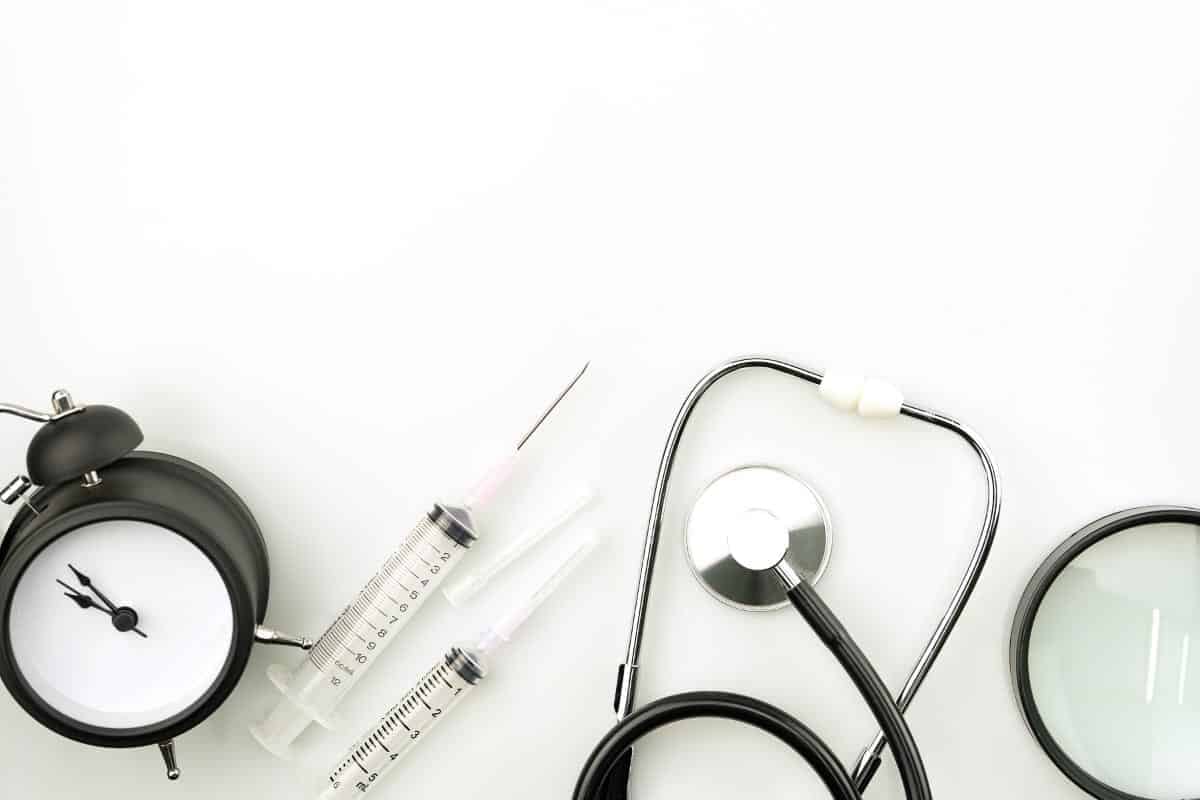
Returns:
point(356, 639)
point(438, 692)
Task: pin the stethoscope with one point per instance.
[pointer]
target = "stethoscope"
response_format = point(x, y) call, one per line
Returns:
point(606, 771)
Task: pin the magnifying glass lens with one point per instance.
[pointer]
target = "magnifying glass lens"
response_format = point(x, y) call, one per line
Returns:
point(1114, 660)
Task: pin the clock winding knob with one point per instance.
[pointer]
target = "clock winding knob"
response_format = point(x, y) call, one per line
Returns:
point(15, 490)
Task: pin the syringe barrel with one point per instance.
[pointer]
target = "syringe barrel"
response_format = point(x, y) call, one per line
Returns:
point(408, 722)
point(360, 634)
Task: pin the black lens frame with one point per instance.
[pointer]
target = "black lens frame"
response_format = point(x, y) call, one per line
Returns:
point(1027, 609)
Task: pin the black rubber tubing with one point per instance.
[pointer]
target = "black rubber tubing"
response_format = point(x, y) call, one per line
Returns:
point(895, 729)
point(605, 775)
point(612, 749)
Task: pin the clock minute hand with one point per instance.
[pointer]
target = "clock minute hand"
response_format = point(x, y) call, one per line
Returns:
point(86, 583)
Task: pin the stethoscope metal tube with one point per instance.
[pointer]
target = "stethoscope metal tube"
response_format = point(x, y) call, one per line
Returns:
point(627, 676)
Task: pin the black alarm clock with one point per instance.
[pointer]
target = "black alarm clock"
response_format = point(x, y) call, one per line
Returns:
point(132, 584)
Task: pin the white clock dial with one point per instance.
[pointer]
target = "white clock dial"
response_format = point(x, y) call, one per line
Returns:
point(80, 664)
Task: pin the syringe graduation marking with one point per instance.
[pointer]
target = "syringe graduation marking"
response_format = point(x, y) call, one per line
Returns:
point(436, 694)
point(386, 600)
point(421, 708)
point(408, 576)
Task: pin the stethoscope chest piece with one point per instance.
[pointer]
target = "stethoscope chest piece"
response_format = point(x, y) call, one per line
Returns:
point(742, 521)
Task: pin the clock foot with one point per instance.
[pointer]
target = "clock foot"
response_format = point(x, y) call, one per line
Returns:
point(168, 753)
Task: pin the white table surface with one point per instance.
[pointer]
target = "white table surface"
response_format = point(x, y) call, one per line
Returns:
point(330, 251)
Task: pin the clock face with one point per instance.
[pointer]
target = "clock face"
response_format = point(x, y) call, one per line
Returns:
point(120, 624)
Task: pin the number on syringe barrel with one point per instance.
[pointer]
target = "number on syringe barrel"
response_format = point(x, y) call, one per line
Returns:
point(384, 605)
point(405, 723)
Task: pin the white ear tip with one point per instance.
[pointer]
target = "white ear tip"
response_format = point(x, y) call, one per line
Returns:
point(842, 389)
point(879, 399)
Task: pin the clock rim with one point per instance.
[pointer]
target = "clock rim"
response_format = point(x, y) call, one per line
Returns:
point(151, 468)
point(241, 642)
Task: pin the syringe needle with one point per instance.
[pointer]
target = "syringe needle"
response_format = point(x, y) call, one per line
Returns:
point(553, 405)
point(500, 473)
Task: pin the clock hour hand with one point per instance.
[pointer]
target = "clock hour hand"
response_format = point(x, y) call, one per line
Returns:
point(81, 600)
point(86, 583)
point(123, 619)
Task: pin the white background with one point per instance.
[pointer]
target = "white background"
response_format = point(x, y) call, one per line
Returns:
point(327, 251)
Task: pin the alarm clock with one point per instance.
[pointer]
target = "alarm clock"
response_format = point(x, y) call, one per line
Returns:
point(133, 584)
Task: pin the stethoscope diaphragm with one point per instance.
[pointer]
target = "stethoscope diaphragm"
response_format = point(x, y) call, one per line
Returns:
point(741, 523)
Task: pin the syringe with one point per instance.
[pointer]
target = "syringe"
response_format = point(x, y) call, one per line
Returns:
point(360, 634)
point(441, 689)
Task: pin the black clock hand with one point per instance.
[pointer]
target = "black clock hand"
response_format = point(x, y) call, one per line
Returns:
point(81, 600)
point(86, 583)
point(123, 619)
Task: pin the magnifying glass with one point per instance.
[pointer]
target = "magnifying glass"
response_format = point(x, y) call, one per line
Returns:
point(1105, 655)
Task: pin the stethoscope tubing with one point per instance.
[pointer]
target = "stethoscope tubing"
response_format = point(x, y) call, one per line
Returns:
point(887, 712)
point(869, 761)
point(605, 774)
point(598, 774)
